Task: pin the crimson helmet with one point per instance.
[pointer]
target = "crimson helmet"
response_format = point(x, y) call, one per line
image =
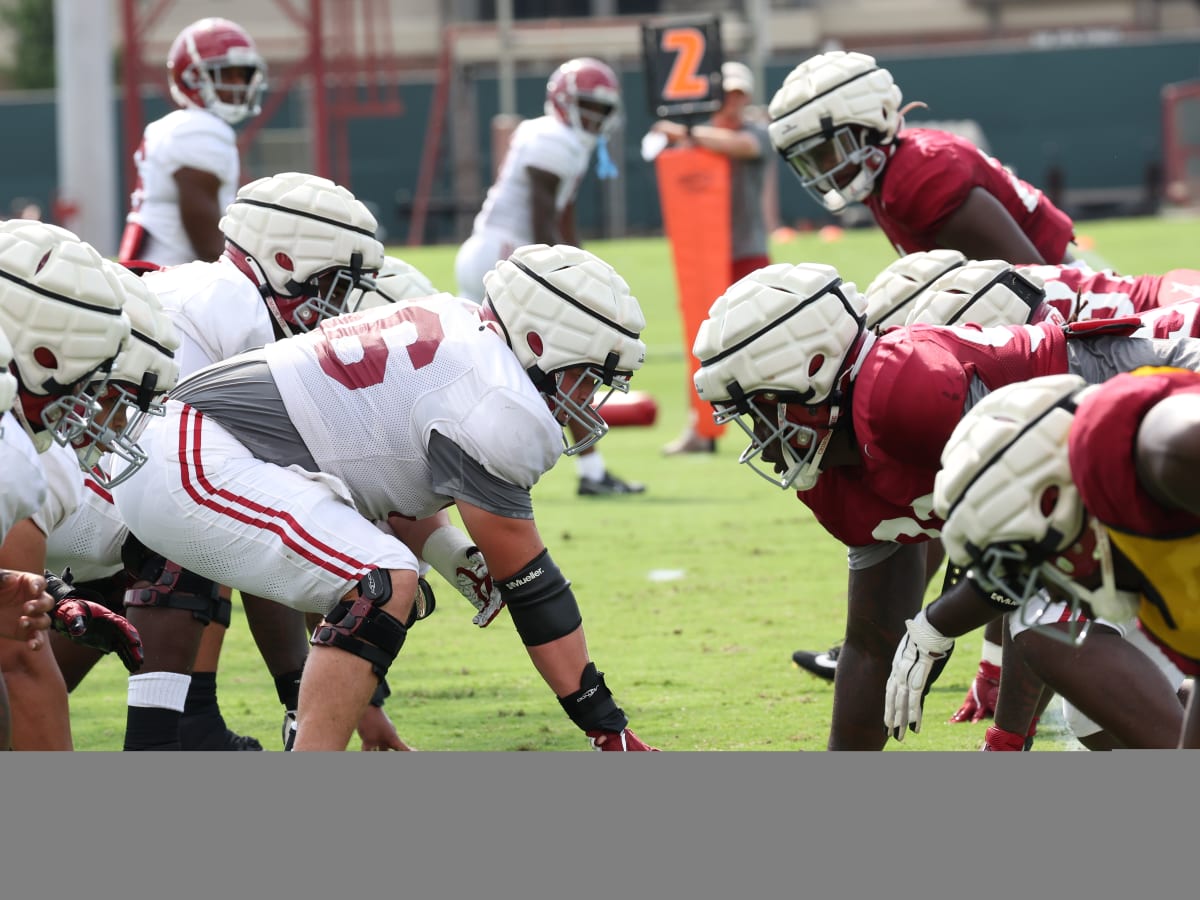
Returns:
point(197, 66)
point(584, 93)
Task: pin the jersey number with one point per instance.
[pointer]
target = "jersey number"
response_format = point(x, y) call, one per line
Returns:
point(370, 365)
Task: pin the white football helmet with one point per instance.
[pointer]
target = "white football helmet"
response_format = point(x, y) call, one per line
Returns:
point(777, 348)
point(1012, 513)
point(890, 296)
point(983, 292)
point(562, 307)
point(61, 310)
point(306, 242)
point(143, 372)
point(396, 281)
point(198, 64)
point(831, 120)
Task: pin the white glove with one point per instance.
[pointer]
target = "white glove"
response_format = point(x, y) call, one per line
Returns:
point(461, 563)
point(475, 582)
point(918, 660)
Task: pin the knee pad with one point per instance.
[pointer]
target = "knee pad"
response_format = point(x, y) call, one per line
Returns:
point(159, 582)
point(361, 627)
point(540, 601)
point(222, 611)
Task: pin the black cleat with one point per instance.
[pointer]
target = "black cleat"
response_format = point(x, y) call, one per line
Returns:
point(607, 485)
point(822, 664)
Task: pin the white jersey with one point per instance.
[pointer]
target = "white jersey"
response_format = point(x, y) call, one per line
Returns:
point(365, 391)
point(542, 143)
point(506, 220)
point(22, 481)
point(215, 308)
point(64, 483)
point(89, 540)
point(185, 138)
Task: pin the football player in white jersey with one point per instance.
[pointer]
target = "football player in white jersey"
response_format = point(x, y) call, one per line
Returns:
point(87, 542)
point(61, 309)
point(291, 453)
point(296, 246)
point(187, 163)
point(533, 198)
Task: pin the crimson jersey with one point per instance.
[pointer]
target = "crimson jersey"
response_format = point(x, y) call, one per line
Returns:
point(1163, 543)
point(929, 175)
point(900, 431)
point(1079, 292)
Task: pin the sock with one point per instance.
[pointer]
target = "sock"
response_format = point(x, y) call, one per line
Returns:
point(155, 704)
point(590, 466)
point(202, 727)
point(287, 688)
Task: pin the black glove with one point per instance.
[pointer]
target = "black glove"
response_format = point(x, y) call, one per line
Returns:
point(87, 622)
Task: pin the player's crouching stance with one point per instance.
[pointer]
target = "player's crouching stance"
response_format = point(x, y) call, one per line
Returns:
point(270, 469)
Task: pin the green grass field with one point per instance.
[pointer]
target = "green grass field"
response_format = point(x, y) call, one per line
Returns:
point(694, 594)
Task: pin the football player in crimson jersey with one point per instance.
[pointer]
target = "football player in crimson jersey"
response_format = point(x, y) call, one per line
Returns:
point(271, 469)
point(1075, 290)
point(856, 422)
point(187, 163)
point(533, 199)
point(993, 292)
point(1088, 492)
point(941, 287)
point(838, 123)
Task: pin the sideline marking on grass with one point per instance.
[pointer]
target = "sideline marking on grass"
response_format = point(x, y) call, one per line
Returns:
point(666, 574)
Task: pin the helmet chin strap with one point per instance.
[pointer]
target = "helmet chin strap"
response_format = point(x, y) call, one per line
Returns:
point(252, 269)
point(1107, 601)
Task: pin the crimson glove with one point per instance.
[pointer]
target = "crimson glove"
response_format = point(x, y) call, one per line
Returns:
point(980, 703)
point(92, 624)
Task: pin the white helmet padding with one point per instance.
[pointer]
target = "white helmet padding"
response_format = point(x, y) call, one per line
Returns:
point(293, 228)
point(8, 384)
point(787, 332)
point(61, 310)
point(981, 292)
point(397, 280)
point(834, 112)
point(1011, 509)
point(891, 295)
point(562, 307)
point(143, 372)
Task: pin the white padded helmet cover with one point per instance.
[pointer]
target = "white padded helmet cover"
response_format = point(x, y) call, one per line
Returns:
point(153, 338)
point(982, 292)
point(1005, 476)
point(57, 295)
point(831, 90)
point(8, 384)
point(562, 306)
point(397, 280)
point(782, 328)
point(891, 296)
point(297, 225)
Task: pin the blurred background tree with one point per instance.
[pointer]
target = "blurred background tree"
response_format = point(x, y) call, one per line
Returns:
point(32, 25)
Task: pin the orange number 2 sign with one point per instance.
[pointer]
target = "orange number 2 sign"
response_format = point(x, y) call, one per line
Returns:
point(684, 81)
